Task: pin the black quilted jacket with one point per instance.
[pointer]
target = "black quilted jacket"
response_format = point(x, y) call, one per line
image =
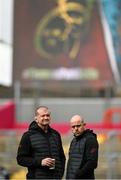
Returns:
point(83, 156)
point(36, 145)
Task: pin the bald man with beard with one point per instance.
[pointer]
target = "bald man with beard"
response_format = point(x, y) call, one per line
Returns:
point(83, 151)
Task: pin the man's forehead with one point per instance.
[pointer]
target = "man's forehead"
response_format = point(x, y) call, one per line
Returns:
point(43, 110)
point(76, 119)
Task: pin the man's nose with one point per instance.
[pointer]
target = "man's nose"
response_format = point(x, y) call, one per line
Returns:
point(46, 117)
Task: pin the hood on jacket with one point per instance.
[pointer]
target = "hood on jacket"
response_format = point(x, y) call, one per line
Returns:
point(90, 131)
point(34, 127)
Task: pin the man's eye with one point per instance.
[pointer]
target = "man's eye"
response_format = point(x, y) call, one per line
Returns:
point(47, 115)
point(76, 126)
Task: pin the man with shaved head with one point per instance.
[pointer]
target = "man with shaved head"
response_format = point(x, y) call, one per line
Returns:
point(83, 151)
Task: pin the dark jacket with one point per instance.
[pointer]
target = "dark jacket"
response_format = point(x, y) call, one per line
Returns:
point(36, 145)
point(83, 156)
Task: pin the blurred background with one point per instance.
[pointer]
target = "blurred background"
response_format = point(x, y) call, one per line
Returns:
point(65, 54)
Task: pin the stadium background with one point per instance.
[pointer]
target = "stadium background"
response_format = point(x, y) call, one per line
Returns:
point(64, 54)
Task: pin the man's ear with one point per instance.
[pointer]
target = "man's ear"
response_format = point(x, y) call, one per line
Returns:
point(35, 118)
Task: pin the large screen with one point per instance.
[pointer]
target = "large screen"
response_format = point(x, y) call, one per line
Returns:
point(60, 43)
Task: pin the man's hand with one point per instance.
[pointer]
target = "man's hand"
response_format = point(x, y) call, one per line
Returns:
point(47, 162)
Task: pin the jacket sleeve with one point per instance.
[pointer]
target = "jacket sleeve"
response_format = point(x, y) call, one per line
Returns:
point(90, 157)
point(24, 153)
point(62, 155)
